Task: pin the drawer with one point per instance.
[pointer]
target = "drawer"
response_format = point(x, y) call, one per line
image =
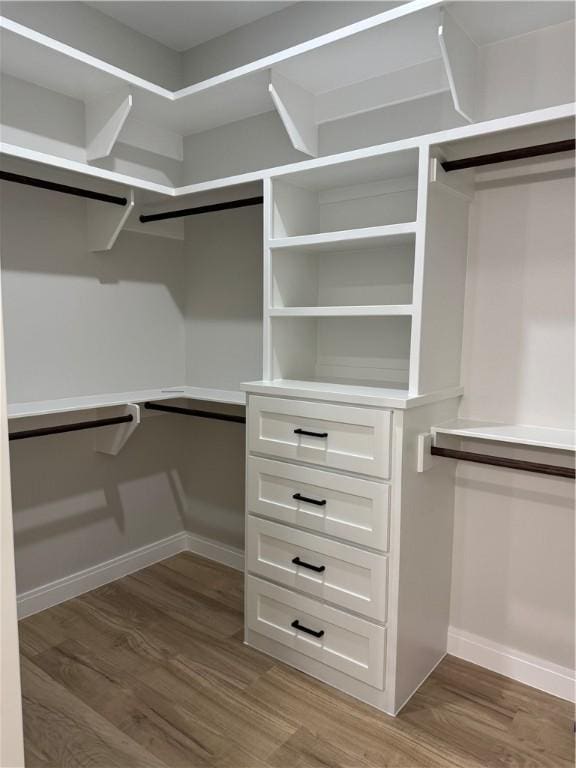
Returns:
point(349, 577)
point(346, 507)
point(336, 436)
point(341, 641)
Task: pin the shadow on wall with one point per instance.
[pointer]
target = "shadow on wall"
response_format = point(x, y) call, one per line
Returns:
point(56, 244)
point(74, 508)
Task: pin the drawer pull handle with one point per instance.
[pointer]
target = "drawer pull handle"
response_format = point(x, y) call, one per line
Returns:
point(308, 500)
point(296, 624)
point(310, 434)
point(316, 568)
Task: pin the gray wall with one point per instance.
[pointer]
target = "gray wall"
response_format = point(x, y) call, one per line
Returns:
point(224, 298)
point(82, 27)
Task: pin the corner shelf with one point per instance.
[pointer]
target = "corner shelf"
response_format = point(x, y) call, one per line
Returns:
point(90, 402)
point(342, 60)
point(415, 50)
point(518, 434)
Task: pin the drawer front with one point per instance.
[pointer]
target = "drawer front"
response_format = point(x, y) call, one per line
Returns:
point(345, 507)
point(349, 577)
point(336, 436)
point(346, 643)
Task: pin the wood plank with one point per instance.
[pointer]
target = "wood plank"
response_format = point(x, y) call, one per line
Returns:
point(248, 724)
point(66, 732)
point(352, 726)
point(152, 720)
point(307, 750)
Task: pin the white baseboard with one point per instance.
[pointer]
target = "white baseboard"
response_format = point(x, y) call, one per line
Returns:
point(213, 550)
point(530, 670)
point(79, 583)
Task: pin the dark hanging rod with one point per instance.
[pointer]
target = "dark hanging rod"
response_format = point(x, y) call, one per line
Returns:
point(30, 181)
point(192, 412)
point(203, 209)
point(551, 148)
point(498, 461)
point(76, 427)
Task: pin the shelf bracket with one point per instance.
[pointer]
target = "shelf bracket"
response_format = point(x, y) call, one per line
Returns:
point(105, 222)
point(425, 460)
point(111, 440)
point(105, 118)
point(296, 108)
point(462, 187)
point(460, 57)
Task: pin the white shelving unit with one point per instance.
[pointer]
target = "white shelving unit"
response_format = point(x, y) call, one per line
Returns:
point(380, 230)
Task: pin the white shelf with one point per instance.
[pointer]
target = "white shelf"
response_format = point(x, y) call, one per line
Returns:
point(348, 239)
point(404, 53)
point(519, 434)
point(89, 402)
point(391, 310)
point(338, 60)
point(384, 397)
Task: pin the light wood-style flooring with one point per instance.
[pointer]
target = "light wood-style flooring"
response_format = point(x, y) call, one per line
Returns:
point(151, 671)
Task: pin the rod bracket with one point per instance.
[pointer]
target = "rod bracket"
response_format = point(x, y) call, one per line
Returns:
point(425, 459)
point(112, 439)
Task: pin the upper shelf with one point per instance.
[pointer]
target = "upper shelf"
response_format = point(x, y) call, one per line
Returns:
point(89, 402)
point(519, 434)
point(417, 49)
point(414, 50)
point(322, 66)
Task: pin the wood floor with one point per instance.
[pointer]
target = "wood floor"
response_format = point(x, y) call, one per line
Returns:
point(151, 671)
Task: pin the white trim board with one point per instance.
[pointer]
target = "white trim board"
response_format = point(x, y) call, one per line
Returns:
point(530, 670)
point(81, 582)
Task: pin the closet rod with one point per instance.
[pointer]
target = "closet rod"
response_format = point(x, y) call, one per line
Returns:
point(551, 148)
point(499, 461)
point(30, 181)
point(76, 427)
point(228, 205)
point(191, 412)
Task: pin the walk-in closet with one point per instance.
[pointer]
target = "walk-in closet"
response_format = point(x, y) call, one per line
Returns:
point(287, 295)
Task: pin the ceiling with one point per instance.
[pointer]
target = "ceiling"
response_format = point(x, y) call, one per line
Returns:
point(182, 24)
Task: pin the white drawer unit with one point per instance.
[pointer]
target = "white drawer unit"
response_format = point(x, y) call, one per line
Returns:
point(345, 507)
point(335, 436)
point(346, 576)
point(335, 638)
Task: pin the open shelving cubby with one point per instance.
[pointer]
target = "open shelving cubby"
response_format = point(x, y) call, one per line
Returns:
point(340, 259)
